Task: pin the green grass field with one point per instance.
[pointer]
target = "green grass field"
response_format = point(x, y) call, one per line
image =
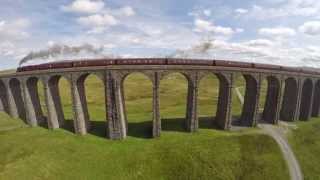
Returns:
point(38, 153)
point(305, 141)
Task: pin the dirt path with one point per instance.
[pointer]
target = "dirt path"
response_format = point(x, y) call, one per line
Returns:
point(239, 95)
point(279, 136)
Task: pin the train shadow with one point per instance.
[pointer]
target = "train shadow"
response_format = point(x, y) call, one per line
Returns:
point(143, 129)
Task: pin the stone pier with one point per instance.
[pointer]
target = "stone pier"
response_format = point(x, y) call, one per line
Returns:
point(32, 104)
point(192, 96)
point(156, 122)
point(79, 104)
point(272, 105)
point(250, 109)
point(306, 99)
point(223, 115)
point(55, 117)
point(115, 108)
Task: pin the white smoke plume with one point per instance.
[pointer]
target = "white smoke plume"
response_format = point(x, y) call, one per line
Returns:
point(248, 52)
point(58, 52)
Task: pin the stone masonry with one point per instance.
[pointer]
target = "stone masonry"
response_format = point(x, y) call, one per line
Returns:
point(290, 96)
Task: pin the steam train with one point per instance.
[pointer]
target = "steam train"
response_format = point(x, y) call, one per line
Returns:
point(159, 61)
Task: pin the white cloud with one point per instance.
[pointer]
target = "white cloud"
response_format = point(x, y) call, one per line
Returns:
point(259, 42)
point(202, 25)
point(311, 28)
point(277, 32)
point(7, 48)
point(281, 9)
point(126, 11)
point(97, 30)
point(239, 30)
point(14, 30)
point(259, 51)
point(206, 26)
point(97, 20)
point(313, 49)
point(51, 43)
point(157, 34)
point(223, 30)
point(2, 23)
point(241, 11)
point(96, 7)
point(98, 17)
point(207, 12)
point(84, 6)
point(13, 34)
point(134, 40)
point(214, 12)
point(109, 46)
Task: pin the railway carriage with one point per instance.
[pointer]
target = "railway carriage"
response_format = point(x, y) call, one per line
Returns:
point(141, 61)
point(291, 69)
point(96, 62)
point(161, 61)
point(266, 66)
point(233, 64)
point(189, 62)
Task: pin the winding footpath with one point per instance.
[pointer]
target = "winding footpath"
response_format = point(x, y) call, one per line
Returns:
point(279, 136)
point(293, 165)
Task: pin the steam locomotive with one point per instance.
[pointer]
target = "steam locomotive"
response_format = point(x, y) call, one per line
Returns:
point(159, 61)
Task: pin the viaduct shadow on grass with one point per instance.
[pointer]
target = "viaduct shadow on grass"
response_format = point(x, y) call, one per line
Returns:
point(207, 123)
point(97, 128)
point(210, 123)
point(68, 125)
point(236, 121)
point(144, 129)
point(174, 124)
point(100, 128)
point(140, 129)
point(43, 122)
point(178, 124)
point(261, 120)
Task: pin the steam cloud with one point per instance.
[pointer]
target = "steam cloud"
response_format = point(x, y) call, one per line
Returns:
point(215, 49)
point(208, 49)
point(64, 52)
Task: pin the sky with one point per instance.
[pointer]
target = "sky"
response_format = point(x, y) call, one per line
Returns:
point(285, 32)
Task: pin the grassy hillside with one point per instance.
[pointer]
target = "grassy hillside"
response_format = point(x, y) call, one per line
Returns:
point(37, 153)
point(305, 141)
point(9, 71)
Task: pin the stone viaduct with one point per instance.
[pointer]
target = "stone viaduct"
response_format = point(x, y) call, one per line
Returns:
point(290, 96)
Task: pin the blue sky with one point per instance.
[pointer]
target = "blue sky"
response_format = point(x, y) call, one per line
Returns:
point(283, 32)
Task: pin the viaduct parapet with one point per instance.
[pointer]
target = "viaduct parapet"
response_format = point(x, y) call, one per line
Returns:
point(291, 95)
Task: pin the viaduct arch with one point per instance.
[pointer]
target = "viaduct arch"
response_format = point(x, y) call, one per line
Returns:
point(291, 95)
